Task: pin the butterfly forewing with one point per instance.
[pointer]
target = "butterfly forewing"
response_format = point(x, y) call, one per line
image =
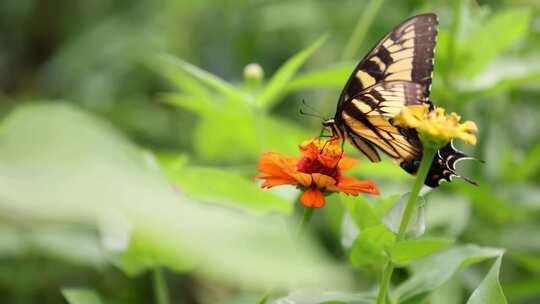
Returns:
point(396, 73)
point(406, 54)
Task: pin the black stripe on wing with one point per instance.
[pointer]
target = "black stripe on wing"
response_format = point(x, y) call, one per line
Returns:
point(443, 167)
point(406, 53)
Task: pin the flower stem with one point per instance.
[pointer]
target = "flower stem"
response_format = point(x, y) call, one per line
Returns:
point(161, 293)
point(308, 213)
point(425, 164)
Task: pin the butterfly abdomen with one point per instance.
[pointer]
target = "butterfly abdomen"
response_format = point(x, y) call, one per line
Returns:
point(443, 167)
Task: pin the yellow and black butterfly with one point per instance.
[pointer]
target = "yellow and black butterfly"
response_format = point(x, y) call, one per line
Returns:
point(395, 73)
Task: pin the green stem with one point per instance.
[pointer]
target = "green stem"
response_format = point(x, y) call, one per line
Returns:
point(385, 282)
point(425, 164)
point(361, 29)
point(308, 213)
point(161, 293)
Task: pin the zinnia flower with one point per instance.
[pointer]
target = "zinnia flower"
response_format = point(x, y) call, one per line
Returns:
point(435, 125)
point(318, 171)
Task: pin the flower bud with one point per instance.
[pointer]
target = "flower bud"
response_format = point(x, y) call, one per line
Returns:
point(253, 73)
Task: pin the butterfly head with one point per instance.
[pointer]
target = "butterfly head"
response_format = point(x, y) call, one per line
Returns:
point(333, 126)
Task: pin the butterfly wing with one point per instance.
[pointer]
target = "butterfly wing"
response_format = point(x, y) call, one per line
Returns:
point(395, 73)
point(406, 53)
point(367, 120)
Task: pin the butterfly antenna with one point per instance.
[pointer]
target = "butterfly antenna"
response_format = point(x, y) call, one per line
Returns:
point(313, 110)
point(302, 112)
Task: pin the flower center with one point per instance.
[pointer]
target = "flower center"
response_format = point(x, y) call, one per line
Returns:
point(307, 165)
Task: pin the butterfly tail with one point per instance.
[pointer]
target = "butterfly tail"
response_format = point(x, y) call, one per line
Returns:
point(443, 167)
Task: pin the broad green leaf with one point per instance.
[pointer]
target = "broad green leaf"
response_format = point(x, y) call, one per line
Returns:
point(435, 270)
point(276, 86)
point(76, 246)
point(405, 252)
point(333, 77)
point(308, 296)
point(81, 296)
point(494, 36)
point(64, 166)
point(225, 187)
point(490, 290)
point(369, 248)
point(451, 292)
point(209, 79)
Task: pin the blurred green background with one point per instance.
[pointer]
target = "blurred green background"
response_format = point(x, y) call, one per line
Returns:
point(130, 135)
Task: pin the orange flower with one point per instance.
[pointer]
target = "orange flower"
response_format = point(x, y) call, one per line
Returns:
point(317, 172)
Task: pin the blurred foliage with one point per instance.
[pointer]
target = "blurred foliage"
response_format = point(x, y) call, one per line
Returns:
point(130, 133)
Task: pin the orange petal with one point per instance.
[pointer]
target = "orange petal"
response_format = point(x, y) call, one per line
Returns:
point(303, 178)
point(270, 163)
point(322, 181)
point(276, 181)
point(277, 169)
point(352, 186)
point(312, 198)
point(346, 163)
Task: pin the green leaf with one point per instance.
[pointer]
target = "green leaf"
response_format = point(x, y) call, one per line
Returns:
point(368, 213)
point(435, 270)
point(194, 104)
point(225, 187)
point(209, 79)
point(187, 83)
point(405, 252)
point(275, 88)
point(75, 246)
point(81, 296)
point(492, 38)
point(490, 290)
point(330, 77)
point(63, 166)
point(369, 248)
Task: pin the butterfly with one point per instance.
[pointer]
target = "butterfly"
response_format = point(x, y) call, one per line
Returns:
point(396, 73)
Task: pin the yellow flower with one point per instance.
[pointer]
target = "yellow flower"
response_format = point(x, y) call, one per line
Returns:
point(435, 126)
